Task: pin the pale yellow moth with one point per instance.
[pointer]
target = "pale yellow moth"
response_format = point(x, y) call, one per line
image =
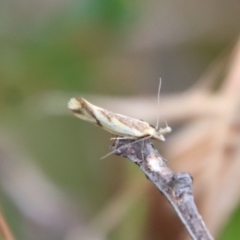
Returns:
point(126, 127)
point(115, 123)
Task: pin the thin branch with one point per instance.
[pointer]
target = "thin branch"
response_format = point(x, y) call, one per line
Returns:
point(176, 187)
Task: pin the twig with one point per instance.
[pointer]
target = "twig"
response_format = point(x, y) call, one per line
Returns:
point(177, 188)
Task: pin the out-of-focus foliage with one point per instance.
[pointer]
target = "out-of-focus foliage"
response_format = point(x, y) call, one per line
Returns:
point(232, 231)
point(59, 49)
point(58, 52)
point(47, 50)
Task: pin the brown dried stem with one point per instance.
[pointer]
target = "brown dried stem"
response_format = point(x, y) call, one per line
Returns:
point(4, 228)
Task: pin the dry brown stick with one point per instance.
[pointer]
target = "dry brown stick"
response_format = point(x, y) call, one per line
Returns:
point(4, 229)
point(176, 187)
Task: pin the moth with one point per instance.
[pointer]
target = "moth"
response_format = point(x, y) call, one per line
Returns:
point(118, 124)
point(127, 127)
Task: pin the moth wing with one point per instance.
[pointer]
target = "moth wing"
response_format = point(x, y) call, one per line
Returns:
point(118, 124)
point(82, 109)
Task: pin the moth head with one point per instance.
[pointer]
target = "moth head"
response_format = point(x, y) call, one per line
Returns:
point(159, 133)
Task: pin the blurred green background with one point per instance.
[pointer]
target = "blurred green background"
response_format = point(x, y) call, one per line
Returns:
point(53, 50)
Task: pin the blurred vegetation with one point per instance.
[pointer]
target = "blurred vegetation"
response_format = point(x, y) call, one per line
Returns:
point(62, 47)
point(58, 53)
point(232, 231)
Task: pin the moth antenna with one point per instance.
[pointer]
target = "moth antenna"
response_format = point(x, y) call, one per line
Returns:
point(158, 102)
point(129, 144)
point(166, 123)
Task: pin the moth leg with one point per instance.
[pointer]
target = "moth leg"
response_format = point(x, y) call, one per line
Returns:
point(121, 138)
point(122, 147)
point(142, 150)
point(114, 138)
